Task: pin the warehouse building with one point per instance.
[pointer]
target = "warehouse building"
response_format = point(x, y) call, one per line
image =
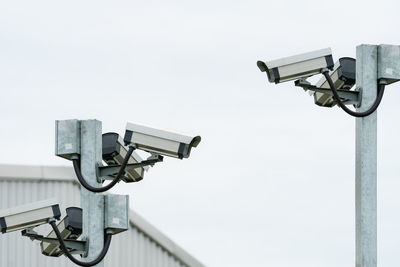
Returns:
point(141, 246)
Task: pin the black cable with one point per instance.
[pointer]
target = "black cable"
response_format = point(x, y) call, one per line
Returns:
point(107, 242)
point(381, 90)
point(111, 184)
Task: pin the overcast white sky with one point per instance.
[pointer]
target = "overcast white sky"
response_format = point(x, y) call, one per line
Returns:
point(260, 189)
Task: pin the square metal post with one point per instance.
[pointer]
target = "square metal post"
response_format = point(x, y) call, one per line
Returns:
point(366, 170)
point(92, 203)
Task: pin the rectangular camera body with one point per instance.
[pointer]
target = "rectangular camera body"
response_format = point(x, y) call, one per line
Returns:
point(70, 228)
point(160, 141)
point(114, 152)
point(343, 76)
point(298, 66)
point(29, 215)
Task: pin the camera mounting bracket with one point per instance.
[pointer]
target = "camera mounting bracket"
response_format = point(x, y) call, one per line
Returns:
point(348, 97)
point(109, 172)
point(74, 246)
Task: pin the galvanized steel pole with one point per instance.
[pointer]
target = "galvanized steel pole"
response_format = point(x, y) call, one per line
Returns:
point(366, 170)
point(92, 204)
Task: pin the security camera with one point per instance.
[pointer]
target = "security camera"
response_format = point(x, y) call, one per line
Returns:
point(296, 67)
point(343, 76)
point(114, 153)
point(160, 141)
point(70, 228)
point(27, 216)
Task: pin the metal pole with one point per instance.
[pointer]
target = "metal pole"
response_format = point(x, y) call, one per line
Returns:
point(92, 203)
point(366, 147)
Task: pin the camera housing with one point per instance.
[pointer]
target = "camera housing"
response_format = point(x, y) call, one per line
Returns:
point(159, 141)
point(343, 76)
point(298, 66)
point(29, 215)
point(70, 228)
point(114, 152)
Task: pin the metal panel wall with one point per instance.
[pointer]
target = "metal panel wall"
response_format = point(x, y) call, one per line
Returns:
point(131, 248)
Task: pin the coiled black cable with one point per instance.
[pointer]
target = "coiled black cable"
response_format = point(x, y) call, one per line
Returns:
point(121, 172)
point(381, 90)
point(107, 242)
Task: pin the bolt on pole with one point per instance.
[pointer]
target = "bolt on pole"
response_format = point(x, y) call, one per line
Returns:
point(366, 159)
point(92, 204)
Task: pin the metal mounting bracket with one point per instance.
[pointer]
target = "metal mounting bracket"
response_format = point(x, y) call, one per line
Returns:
point(348, 97)
point(74, 246)
point(109, 172)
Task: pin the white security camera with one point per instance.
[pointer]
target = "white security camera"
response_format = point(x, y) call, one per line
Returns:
point(70, 228)
point(29, 215)
point(343, 76)
point(114, 153)
point(296, 67)
point(160, 141)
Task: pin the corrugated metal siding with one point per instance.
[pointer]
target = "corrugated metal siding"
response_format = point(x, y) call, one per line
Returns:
point(134, 248)
point(131, 248)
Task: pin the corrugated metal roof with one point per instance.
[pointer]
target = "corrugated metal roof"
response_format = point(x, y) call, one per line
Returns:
point(143, 245)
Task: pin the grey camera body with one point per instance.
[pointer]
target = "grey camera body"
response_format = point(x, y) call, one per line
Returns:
point(343, 76)
point(298, 66)
point(29, 215)
point(70, 228)
point(114, 153)
point(159, 141)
